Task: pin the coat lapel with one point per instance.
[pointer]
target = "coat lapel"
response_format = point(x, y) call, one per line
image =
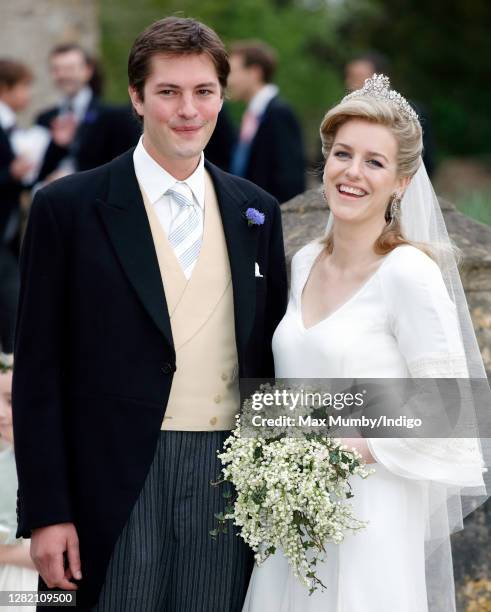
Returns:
point(241, 246)
point(124, 217)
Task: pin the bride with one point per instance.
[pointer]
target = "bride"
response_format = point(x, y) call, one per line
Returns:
point(380, 297)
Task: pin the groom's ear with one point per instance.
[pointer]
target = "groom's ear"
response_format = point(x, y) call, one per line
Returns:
point(136, 100)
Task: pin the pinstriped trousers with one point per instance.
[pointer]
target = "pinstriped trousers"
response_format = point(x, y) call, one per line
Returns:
point(165, 560)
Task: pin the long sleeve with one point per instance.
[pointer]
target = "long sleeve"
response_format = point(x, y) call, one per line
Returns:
point(425, 325)
point(39, 409)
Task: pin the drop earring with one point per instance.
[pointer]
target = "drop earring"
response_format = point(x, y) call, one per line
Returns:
point(395, 206)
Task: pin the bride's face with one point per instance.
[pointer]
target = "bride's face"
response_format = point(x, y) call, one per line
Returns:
point(360, 175)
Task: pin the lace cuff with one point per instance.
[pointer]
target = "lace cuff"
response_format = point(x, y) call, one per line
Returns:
point(439, 366)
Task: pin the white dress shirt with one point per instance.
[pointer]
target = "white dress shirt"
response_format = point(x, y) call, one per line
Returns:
point(254, 111)
point(79, 103)
point(7, 116)
point(261, 99)
point(155, 181)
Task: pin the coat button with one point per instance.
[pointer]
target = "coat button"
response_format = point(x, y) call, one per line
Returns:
point(168, 367)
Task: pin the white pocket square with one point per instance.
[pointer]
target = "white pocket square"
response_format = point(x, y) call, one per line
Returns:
point(257, 272)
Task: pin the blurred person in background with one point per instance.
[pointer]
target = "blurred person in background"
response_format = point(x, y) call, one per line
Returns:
point(15, 95)
point(270, 150)
point(363, 67)
point(17, 571)
point(85, 132)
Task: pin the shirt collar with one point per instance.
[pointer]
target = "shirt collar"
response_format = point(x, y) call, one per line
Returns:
point(262, 98)
point(7, 116)
point(155, 180)
point(80, 102)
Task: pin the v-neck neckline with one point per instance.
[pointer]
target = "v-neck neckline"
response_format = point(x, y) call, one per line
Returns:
point(342, 306)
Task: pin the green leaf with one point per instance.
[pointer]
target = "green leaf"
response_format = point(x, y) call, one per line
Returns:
point(334, 457)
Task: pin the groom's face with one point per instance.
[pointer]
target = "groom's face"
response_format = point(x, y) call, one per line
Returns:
point(181, 101)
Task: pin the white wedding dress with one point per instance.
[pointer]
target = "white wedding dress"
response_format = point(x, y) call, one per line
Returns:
point(12, 577)
point(400, 323)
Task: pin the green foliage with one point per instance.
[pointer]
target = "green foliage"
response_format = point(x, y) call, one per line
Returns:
point(439, 52)
point(477, 205)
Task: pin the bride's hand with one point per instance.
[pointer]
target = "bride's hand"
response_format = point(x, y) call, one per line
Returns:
point(360, 445)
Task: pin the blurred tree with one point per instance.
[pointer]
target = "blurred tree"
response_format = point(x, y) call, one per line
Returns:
point(439, 52)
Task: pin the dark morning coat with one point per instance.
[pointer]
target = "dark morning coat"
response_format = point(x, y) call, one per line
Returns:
point(94, 356)
point(277, 159)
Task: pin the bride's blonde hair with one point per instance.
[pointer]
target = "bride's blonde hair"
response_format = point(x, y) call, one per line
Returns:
point(408, 134)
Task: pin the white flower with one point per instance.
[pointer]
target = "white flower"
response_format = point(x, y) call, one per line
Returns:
point(292, 495)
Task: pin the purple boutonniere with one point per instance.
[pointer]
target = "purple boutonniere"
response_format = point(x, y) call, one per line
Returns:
point(254, 217)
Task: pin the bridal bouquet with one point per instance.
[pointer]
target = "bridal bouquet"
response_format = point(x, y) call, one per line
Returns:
point(291, 495)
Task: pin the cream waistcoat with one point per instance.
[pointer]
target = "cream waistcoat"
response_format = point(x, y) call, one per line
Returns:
point(205, 391)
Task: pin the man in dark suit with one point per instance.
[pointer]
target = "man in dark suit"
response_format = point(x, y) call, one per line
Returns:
point(137, 315)
point(270, 149)
point(15, 95)
point(85, 132)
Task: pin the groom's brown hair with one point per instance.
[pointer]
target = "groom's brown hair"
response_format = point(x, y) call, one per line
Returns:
point(175, 36)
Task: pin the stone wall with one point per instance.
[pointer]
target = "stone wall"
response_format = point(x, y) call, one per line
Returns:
point(30, 28)
point(304, 218)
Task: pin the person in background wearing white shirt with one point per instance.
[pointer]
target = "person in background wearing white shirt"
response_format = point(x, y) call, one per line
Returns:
point(270, 149)
point(85, 132)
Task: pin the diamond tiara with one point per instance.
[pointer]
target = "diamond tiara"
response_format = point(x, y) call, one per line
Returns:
point(378, 86)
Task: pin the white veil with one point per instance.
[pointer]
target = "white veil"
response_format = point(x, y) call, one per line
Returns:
point(422, 222)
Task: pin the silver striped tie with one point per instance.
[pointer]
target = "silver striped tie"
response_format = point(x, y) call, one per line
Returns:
point(186, 230)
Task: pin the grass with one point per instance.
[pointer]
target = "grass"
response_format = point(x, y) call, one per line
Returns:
point(476, 204)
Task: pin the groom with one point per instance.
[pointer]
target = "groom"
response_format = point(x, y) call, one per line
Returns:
point(146, 293)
